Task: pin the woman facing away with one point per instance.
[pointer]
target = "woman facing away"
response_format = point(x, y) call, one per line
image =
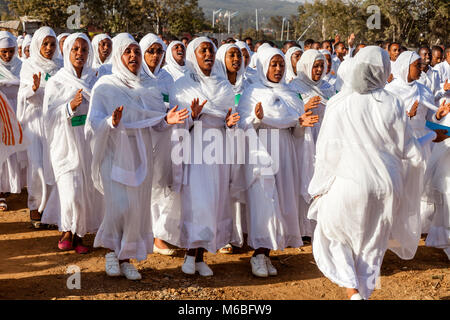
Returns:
point(367, 180)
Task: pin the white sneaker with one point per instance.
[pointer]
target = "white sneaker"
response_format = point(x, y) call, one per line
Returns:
point(130, 271)
point(270, 268)
point(164, 252)
point(188, 266)
point(259, 266)
point(203, 269)
point(112, 267)
point(356, 296)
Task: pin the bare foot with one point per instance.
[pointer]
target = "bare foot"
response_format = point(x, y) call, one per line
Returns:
point(351, 292)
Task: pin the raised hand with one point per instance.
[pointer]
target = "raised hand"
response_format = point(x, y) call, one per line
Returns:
point(351, 40)
point(197, 108)
point(391, 77)
point(117, 116)
point(412, 113)
point(446, 85)
point(312, 103)
point(443, 110)
point(77, 100)
point(177, 117)
point(232, 119)
point(337, 38)
point(308, 119)
point(36, 81)
point(259, 112)
point(441, 135)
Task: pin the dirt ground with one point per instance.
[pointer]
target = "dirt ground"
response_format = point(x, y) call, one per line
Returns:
point(31, 267)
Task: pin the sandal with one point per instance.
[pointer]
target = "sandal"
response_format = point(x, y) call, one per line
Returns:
point(226, 249)
point(36, 223)
point(65, 245)
point(3, 205)
point(80, 249)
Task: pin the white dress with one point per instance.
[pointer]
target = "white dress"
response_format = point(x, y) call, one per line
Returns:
point(122, 166)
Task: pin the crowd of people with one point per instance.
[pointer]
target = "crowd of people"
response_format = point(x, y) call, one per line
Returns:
point(350, 146)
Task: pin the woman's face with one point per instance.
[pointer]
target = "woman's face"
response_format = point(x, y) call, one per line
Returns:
point(233, 60)
point(79, 53)
point(275, 72)
point(153, 56)
point(179, 53)
point(6, 54)
point(414, 70)
point(246, 56)
point(48, 47)
point(61, 43)
point(328, 57)
point(317, 70)
point(294, 59)
point(26, 51)
point(104, 49)
point(132, 58)
point(205, 57)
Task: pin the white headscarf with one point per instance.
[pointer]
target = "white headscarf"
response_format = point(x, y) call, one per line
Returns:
point(88, 76)
point(304, 74)
point(146, 43)
point(290, 74)
point(220, 68)
point(215, 90)
point(95, 43)
point(20, 40)
point(408, 92)
point(172, 66)
point(9, 70)
point(242, 45)
point(120, 44)
point(36, 59)
point(26, 41)
point(58, 39)
point(326, 52)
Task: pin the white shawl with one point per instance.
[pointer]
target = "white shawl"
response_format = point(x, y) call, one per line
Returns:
point(172, 67)
point(95, 43)
point(290, 74)
point(9, 71)
point(220, 68)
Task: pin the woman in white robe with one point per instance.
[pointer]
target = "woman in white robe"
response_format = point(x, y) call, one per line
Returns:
point(206, 217)
point(293, 55)
point(230, 65)
point(10, 66)
point(175, 60)
point(35, 73)
point(61, 38)
point(66, 104)
point(309, 83)
point(274, 115)
point(420, 106)
point(329, 77)
point(26, 47)
point(437, 189)
point(367, 180)
point(102, 46)
point(120, 115)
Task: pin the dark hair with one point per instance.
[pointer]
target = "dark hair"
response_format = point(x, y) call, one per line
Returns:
point(260, 42)
point(338, 44)
point(423, 47)
point(392, 43)
point(248, 38)
point(272, 44)
point(308, 42)
point(379, 43)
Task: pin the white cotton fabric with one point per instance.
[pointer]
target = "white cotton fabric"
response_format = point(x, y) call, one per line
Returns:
point(81, 205)
point(58, 49)
point(29, 113)
point(95, 44)
point(172, 67)
point(122, 157)
point(26, 43)
point(206, 214)
point(10, 170)
point(409, 92)
point(431, 80)
point(437, 189)
point(330, 77)
point(220, 68)
point(343, 77)
point(160, 77)
point(276, 182)
point(307, 88)
point(368, 174)
point(290, 74)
